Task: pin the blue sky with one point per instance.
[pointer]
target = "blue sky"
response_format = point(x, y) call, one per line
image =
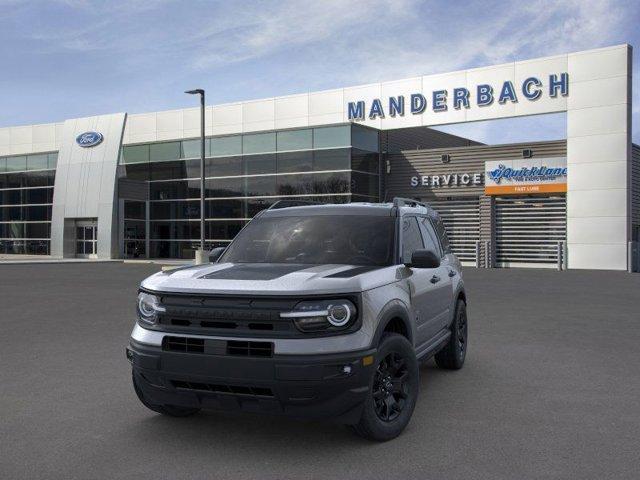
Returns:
point(65, 59)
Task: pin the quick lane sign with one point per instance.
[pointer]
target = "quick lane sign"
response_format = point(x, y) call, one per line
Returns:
point(482, 95)
point(543, 175)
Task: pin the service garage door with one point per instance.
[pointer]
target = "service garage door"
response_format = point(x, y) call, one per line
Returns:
point(528, 230)
point(461, 218)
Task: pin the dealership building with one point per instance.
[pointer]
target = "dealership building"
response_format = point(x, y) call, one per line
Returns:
point(127, 185)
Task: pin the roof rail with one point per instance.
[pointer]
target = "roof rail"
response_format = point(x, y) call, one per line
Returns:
point(291, 203)
point(408, 202)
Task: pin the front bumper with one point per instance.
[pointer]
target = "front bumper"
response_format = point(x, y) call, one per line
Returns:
point(304, 386)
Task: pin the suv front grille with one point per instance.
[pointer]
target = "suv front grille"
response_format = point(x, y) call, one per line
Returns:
point(183, 344)
point(217, 347)
point(250, 349)
point(227, 316)
point(218, 388)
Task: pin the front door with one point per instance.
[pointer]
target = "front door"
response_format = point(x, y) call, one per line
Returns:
point(427, 285)
point(87, 239)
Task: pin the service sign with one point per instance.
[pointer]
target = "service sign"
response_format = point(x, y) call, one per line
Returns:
point(523, 176)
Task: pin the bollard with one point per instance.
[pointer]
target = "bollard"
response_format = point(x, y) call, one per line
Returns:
point(559, 253)
point(487, 254)
point(632, 256)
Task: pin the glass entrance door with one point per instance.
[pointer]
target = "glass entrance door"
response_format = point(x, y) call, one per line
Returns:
point(86, 239)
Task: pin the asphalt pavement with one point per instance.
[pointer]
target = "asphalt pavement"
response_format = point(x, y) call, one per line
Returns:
point(551, 389)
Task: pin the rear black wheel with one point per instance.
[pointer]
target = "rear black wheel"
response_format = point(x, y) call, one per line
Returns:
point(452, 356)
point(393, 390)
point(170, 410)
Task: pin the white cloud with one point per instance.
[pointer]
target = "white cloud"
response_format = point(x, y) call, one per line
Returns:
point(311, 45)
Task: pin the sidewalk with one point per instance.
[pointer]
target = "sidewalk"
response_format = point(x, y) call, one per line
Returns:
point(35, 259)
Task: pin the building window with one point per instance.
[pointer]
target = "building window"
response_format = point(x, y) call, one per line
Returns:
point(295, 140)
point(225, 146)
point(26, 197)
point(244, 175)
point(332, 137)
point(162, 152)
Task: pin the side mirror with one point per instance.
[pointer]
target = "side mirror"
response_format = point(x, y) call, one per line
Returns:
point(424, 259)
point(214, 254)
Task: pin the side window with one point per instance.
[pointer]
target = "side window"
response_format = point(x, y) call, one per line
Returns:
point(430, 238)
point(411, 238)
point(442, 234)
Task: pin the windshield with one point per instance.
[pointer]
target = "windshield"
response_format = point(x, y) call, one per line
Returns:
point(348, 239)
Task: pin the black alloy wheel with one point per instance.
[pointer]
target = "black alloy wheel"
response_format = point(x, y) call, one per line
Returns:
point(461, 325)
point(452, 356)
point(393, 390)
point(390, 387)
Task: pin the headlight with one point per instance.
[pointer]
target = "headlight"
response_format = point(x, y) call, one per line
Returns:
point(322, 315)
point(148, 308)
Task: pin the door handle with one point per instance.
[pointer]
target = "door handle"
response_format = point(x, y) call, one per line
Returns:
point(452, 273)
point(435, 279)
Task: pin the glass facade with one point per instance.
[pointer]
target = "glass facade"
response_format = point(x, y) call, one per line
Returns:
point(244, 174)
point(26, 196)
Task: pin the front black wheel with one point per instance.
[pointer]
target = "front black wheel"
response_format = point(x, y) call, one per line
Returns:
point(452, 356)
point(393, 390)
point(170, 410)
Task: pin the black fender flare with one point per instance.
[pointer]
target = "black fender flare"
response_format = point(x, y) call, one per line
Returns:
point(393, 309)
point(459, 294)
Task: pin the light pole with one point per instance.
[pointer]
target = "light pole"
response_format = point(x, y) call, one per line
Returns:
point(200, 255)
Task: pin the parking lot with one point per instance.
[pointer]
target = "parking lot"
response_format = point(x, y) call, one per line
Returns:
point(551, 389)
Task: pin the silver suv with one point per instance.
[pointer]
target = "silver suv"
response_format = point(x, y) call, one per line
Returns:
point(314, 311)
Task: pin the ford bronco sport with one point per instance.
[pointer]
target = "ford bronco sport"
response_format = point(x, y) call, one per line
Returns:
point(315, 311)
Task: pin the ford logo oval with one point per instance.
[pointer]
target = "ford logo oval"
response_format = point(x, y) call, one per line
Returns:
point(89, 139)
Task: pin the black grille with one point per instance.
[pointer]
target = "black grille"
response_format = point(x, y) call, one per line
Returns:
point(250, 349)
point(219, 388)
point(227, 316)
point(217, 346)
point(183, 344)
point(233, 316)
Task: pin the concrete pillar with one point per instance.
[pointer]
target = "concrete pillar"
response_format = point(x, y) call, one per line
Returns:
point(599, 158)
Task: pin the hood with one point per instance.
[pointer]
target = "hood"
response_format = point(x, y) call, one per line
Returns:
point(271, 279)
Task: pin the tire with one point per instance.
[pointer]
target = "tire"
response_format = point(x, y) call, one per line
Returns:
point(393, 390)
point(452, 356)
point(169, 410)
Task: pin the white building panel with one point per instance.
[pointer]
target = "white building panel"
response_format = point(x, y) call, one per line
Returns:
point(258, 115)
point(170, 122)
point(598, 148)
point(326, 103)
point(598, 63)
point(227, 119)
point(598, 93)
point(598, 241)
point(596, 230)
point(44, 133)
point(597, 120)
point(21, 135)
point(85, 184)
point(597, 176)
point(295, 106)
point(596, 203)
point(598, 256)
